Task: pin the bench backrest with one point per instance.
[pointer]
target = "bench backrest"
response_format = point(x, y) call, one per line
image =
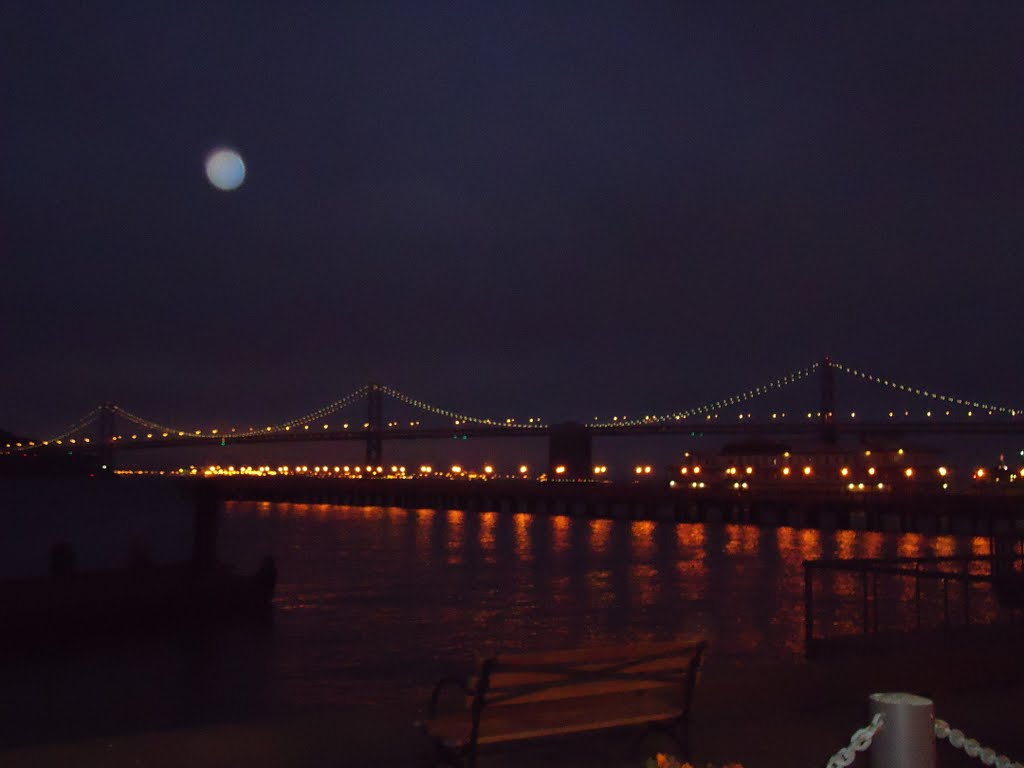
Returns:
point(525, 678)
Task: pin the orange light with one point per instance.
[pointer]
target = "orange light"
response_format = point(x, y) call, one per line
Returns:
point(807, 471)
point(980, 473)
point(456, 469)
point(647, 470)
point(785, 471)
point(696, 470)
point(844, 471)
point(750, 470)
point(683, 470)
point(523, 469)
point(909, 471)
point(488, 469)
point(560, 469)
point(639, 470)
point(871, 471)
point(943, 471)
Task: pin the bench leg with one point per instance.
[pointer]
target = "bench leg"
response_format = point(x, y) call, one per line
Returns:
point(455, 758)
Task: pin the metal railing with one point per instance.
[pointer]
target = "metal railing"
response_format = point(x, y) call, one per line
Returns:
point(963, 573)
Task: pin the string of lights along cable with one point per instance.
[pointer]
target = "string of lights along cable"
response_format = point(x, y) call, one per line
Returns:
point(328, 418)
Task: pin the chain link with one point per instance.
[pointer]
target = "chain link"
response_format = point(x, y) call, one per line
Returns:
point(987, 755)
point(860, 741)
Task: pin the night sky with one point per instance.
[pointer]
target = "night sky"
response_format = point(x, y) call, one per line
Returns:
point(509, 209)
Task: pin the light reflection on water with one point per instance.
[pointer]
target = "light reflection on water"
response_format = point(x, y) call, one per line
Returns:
point(402, 596)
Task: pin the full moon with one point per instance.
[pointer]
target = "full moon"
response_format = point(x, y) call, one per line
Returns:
point(225, 169)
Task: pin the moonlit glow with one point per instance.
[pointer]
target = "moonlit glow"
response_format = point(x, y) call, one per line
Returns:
point(225, 169)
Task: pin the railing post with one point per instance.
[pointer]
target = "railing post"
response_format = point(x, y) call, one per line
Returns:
point(808, 610)
point(967, 592)
point(864, 589)
point(907, 736)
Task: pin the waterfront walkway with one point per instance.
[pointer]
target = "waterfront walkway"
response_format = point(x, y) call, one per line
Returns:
point(762, 715)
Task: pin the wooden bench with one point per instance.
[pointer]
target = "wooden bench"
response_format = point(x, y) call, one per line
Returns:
point(524, 696)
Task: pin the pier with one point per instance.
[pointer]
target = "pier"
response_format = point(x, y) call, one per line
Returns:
point(927, 512)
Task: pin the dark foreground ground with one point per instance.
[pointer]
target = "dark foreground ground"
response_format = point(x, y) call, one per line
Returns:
point(764, 716)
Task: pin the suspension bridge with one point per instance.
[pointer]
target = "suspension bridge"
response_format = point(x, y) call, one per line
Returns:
point(359, 416)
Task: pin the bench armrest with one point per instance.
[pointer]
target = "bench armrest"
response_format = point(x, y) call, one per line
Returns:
point(447, 682)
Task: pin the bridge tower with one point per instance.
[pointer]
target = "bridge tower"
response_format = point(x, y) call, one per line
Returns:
point(570, 448)
point(827, 389)
point(105, 447)
point(374, 421)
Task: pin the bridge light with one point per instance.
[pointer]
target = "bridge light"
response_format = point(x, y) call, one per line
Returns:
point(943, 471)
point(647, 470)
point(683, 470)
point(345, 469)
point(909, 471)
point(785, 471)
point(696, 470)
point(871, 471)
point(844, 471)
point(337, 470)
point(808, 470)
point(639, 470)
point(750, 470)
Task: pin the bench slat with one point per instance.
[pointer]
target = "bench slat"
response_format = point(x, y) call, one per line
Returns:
point(577, 691)
point(614, 653)
point(674, 666)
point(512, 723)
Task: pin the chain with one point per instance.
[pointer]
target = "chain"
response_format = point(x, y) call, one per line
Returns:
point(860, 741)
point(987, 755)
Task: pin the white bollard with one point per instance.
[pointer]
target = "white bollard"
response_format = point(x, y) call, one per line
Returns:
point(907, 736)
